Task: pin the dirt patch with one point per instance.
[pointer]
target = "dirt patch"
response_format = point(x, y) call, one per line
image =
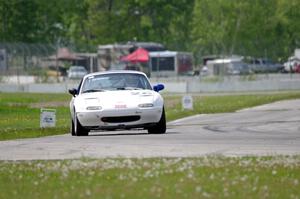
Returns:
point(10, 104)
point(49, 104)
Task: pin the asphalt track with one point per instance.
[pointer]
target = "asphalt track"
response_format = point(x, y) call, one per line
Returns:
point(272, 129)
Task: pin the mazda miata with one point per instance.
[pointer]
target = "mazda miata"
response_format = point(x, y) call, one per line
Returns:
point(117, 100)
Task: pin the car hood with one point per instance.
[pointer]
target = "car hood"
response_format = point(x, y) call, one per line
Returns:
point(116, 99)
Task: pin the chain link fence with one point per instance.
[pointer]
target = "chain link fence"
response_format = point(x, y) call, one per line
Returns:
point(21, 58)
point(39, 63)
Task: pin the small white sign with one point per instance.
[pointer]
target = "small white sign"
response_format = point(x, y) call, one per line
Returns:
point(187, 102)
point(47, 118)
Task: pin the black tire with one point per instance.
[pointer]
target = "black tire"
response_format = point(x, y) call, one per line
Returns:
point(160, 127)
point(78, 129)
point(72, 130)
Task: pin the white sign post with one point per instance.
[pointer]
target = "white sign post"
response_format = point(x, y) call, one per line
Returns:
point(47, 118)
point(187, 102)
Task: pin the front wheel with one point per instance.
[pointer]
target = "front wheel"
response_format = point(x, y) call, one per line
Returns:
point(72, 130)
point(159, 127)
point(77, 129)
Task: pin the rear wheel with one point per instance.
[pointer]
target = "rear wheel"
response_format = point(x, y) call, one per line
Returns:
point(159, 127)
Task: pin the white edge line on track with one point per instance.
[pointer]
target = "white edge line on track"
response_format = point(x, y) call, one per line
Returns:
point(185, 119)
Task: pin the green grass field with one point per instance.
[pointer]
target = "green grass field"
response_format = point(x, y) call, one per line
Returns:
point(206, 177)
point(20, 112)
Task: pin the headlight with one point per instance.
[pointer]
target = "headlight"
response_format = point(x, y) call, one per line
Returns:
point(146, 105)
point(93, 108)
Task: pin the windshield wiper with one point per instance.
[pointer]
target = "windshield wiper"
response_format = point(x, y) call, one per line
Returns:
point(93, 90)
point(129, 88)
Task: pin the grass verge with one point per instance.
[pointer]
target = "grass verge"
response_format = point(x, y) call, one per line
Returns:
point(206, 177)
point(222, 103)
point(20, 112)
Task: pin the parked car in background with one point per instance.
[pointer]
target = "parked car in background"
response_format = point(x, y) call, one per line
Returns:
point(117, 100)
point(204, 71)
point(292, 65)
point(77, 72)
point(238, 68)
point(226, 66)
point(264, 66)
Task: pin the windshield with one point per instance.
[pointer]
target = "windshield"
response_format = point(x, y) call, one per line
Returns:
point(115, 81)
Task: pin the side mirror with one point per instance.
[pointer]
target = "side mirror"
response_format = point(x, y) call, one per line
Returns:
point(73, 92)
point(158, 87)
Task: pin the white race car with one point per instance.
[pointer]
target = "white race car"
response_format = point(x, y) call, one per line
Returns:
point(116, 100)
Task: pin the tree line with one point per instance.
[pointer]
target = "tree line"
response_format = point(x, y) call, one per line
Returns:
point(260, 28)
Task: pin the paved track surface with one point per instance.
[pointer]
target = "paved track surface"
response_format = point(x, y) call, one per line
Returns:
point(271, 129)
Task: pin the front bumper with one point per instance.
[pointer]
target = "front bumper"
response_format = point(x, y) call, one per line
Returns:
point(98, 119)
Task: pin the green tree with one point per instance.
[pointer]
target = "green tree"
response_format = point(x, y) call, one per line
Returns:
point(18, 20)
point(259, 28)
point(268, 28)
point(162, 21)
point(216, 25)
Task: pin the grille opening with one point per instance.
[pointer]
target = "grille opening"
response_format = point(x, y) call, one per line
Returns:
point(121, 119)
